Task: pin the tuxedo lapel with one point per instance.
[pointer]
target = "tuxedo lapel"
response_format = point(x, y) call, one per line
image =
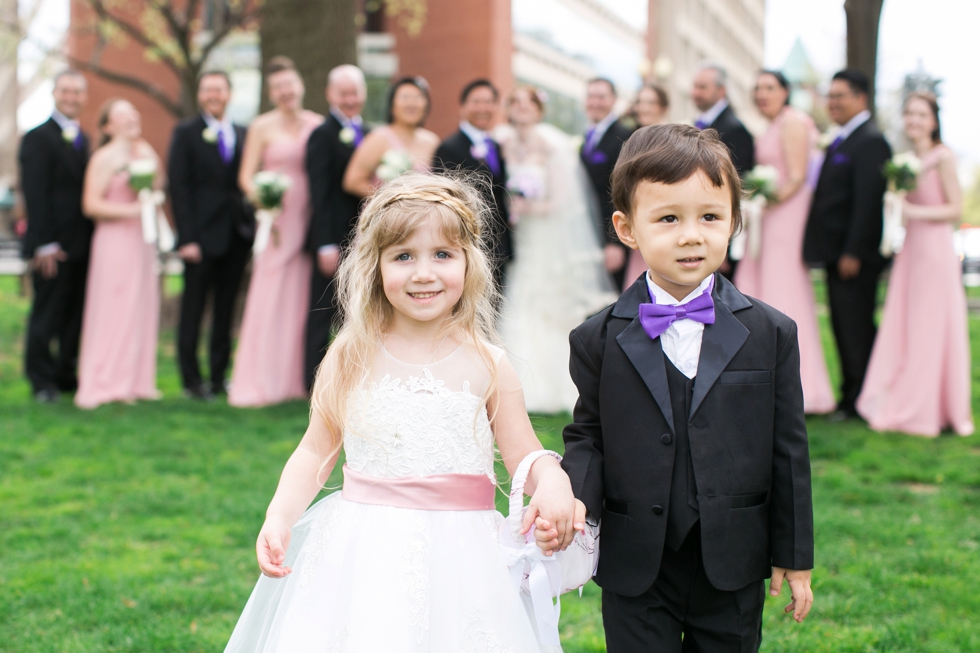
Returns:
point(721, 340)
point(74, 159)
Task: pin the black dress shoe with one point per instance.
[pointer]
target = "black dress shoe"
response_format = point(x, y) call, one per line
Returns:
point(47, 396)
point(219, 388)
point(198, 393)
point(841, 415)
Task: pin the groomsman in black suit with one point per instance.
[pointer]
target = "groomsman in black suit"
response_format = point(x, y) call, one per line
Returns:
point(328, 151)
point(473, 148)
point(53, 158)
point(710, 95)
point(215, 228)
point(600, 151)
point(843, 232)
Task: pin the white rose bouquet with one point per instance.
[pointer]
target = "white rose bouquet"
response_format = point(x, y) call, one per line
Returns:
point(760, 190)
point(901, 172)
point(270, 188)
point(156, 229)
point(393, 164)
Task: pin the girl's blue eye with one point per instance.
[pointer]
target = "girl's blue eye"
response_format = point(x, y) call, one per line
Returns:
point(403, 257)
point(443, 255)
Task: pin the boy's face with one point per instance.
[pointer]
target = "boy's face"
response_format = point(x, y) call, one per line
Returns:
point(682, 230)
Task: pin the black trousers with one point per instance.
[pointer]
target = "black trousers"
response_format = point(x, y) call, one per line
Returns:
point(320, 321)
point(56, 314)
point(221, 278)
point(683, 613)
point(852, 315)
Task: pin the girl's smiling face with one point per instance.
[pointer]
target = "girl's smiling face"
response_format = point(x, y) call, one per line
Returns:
point(423, 276)
point(682, 230)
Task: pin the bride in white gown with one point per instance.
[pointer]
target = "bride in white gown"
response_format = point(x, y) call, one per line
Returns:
point(557, 278)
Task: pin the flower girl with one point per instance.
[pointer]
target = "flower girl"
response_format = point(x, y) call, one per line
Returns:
point(405, 557)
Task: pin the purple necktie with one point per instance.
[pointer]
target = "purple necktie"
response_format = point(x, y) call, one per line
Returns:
point(657, 318)
point(223, 148)
point(700, 124)
point(493, 159)
point(589, 145)
point(78, 142)
point(835, 144)
point(358, 133)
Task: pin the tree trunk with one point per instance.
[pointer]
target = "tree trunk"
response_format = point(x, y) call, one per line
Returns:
point(316, 34)
point(863, 17)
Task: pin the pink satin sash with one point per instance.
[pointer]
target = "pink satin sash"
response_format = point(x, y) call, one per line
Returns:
point(436, 492)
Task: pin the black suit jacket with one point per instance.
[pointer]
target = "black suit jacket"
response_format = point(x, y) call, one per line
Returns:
point(52, 173)
point(599, 166)
point(334, 210)
point(747, 438)
point(738, 139)
point(845, 216)
point(208, 204)
point(454, 153)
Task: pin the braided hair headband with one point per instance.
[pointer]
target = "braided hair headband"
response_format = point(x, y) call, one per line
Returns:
point(470, 224)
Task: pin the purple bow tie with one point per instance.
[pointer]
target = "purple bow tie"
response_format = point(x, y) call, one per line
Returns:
point(657, 318)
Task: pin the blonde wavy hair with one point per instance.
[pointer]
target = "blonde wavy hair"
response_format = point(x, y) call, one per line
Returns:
point(394, 213)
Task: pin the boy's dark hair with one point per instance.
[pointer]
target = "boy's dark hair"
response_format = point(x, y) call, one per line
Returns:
point(857, 80)
point(213, 73)
point(475, 84)
point(603, 80)
point(669, 154)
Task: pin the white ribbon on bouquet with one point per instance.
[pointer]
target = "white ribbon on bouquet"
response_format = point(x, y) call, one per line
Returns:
point(156, 229)
point(893, 224)
point(264, 220)
point(749, 239)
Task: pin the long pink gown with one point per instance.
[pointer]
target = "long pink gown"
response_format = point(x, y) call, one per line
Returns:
point(779, 277)
point(118, 359)
point(269, 358)
point(918, 379)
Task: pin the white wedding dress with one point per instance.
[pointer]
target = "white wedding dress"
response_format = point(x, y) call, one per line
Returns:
point(371, 578)
point(557, 278)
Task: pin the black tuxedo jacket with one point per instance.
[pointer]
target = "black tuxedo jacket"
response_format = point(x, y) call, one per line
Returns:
point(334, 210)
point(52, 173)
point(845, 216)
point(208, 205)
point(599, 166)
point(738, 139)
point(454, 153)
point(747, 436)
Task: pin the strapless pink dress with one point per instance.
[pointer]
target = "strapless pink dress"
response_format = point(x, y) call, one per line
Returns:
point(269, 358)
point(118, 359)
point(779, 277)
point(918, 379)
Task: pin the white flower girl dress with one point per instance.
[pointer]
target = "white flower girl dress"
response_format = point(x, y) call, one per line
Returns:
point(372, 578)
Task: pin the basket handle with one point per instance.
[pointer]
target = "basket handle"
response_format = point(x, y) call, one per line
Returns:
point(515, 514)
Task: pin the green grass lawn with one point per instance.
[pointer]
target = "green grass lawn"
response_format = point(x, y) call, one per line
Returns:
point(131, 528)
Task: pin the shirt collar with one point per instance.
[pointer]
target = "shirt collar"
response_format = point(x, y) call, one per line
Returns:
point(344, 120)
point(474, 134)
point(603, 125)
point(711, 115)
point(213, 122)
point(851, 125)
point(63, 120)
point(664, 298)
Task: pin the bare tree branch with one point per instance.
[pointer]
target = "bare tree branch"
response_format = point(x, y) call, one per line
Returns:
point(119, 78)
point(135, 33)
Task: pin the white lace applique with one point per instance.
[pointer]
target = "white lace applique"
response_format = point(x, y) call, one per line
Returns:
point(416, 558)
point(323, 528)
point(338, 642)
point(493, 520)
point(477, 636)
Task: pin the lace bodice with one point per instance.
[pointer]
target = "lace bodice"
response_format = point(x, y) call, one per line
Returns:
point(420, 420)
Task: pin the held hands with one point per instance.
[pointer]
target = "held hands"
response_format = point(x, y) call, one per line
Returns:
point(799, 585)
point(554, 503)
point(546, 535)
point(270, 549)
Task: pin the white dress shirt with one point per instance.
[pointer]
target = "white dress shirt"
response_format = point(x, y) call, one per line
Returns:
point(848, 128)
point(474, 134)
point(711, 115)
point(222, 126)
point(681, 341)
point(601, 128)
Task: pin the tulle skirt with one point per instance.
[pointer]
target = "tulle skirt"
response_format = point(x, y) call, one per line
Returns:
point(370, 578)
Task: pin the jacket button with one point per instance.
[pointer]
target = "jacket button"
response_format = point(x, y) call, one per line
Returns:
point(665, 438)
point(658, 510)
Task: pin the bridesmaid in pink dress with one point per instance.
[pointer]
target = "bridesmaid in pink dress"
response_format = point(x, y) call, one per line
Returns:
point(269, 358)
point(918, 379)
point(118, 360)
point(408, 107)
point(778, 275)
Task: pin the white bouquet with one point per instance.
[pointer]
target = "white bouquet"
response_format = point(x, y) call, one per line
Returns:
point(901, 172)
point(760, 190)
point(393, 164)
point(761, 181)
point(270, 188)
point(156, 229)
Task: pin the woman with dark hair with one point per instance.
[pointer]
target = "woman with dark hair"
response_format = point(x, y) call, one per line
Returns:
point(918, 379)
point(401, 145)
point(118, 359)
point(270, 356)
point(776, 274)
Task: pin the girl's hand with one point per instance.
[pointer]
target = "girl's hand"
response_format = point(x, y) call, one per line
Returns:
point(553, 501)
point(270, 549)
point(546, 537)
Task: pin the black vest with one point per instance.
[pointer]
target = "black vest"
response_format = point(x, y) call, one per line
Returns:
point(682, 513)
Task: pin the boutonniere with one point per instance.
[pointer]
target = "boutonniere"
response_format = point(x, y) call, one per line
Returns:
point(479, 151)
point(578, 142)
point(347, 135)
point(69, 134)
point(209, 135)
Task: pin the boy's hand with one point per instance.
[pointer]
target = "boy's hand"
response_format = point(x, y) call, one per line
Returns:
point(799, 585)
point(270, 549)
point(546, 536)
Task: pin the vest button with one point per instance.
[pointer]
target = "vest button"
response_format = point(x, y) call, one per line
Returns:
point(665, 438)
point(658, 510)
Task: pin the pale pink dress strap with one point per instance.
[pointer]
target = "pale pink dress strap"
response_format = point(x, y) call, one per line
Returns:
point(436, 492)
